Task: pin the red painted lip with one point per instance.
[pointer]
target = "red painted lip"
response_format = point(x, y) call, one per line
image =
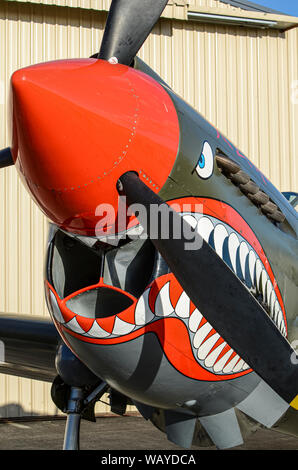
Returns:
point(173, 333)
point(78, 126)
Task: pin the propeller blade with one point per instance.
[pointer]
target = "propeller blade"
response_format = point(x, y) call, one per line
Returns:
point(222, 298)
point(6, 158)
point(128, 25)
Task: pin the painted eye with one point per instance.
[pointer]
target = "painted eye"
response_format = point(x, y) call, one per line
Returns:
point(205, 163)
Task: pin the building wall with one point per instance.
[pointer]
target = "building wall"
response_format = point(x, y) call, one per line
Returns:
point(245, 81)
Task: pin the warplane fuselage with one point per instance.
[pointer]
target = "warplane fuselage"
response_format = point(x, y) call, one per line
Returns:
point(118, 306)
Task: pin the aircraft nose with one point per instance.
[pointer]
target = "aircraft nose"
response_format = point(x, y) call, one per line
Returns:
point(78, 125)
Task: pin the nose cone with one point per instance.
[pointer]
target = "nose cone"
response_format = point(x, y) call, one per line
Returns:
point(78, 126)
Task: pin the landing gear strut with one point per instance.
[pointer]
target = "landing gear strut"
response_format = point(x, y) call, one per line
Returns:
point(76, 406)
point(75, 391)
point(73, 421)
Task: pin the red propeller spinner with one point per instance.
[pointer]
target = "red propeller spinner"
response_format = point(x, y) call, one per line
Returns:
point(78, 125)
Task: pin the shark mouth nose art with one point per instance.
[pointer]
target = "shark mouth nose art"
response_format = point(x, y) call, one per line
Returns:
point(188, 340)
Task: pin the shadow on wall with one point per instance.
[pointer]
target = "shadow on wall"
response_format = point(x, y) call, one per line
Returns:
point(11, 411)
point(14, 410)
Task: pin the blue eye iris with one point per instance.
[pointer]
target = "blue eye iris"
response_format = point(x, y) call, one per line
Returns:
point(202, 161)
point(205, 163)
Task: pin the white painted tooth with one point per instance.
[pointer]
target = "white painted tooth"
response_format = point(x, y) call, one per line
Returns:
point(121, 327)
point(220, 234)
point(269, 288)
point(219, 365)
point(74, 326)
point(201, 334)
point(252, 266)
point(239, 366)
point(264, 279)
point(136, 231)
point(183, 306)
point(276, 311)
point(97, 332)
point(233, 245)
point(273, 299)
point(205, 227)
point(55, 309)
point(271, 296)
point(212, 357)
point(230, 366)
point(143, 313)
point(243, 253)
point(284, 331)
point(259, 269)
point(245, 366)
point(191, 220)
point(280, 320)
point(195, 320)
point(206, 347)
point(163, 305)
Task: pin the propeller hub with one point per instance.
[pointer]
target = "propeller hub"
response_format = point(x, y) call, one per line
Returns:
point(78, 125)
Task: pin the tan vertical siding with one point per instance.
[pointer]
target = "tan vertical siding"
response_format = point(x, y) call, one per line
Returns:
point(241, 79)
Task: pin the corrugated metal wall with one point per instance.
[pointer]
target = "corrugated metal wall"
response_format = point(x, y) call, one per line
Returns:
point(245, 81)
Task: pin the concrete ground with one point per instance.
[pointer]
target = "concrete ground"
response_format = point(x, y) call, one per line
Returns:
point(115, 433)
